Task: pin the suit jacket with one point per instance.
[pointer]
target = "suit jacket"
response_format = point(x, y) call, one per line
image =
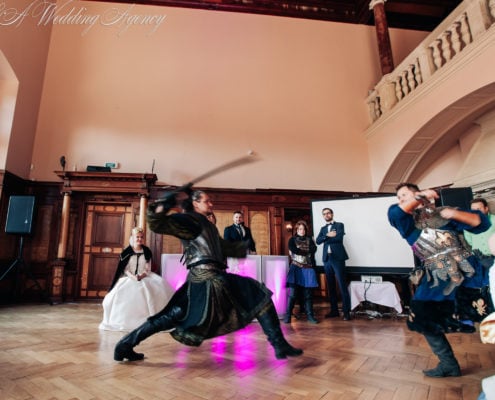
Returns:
point(231, 234)
point(336, 243)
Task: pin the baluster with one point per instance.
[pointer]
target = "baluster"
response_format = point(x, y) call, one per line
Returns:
point(398, 88)
point(465, 32)
point(446, 50)
point(417, 73)
point(372, 109)
point(456, 37)
point(405, 87)
point(491, 6)
point(436, 54)
point(410, 77)
point(378, 107)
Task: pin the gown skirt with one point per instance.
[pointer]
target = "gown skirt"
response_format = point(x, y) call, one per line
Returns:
point(130, 302)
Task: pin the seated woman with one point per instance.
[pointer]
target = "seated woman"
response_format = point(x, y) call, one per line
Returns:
point(136, 292)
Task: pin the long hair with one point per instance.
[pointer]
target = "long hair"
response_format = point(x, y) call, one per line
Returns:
point(298, 224)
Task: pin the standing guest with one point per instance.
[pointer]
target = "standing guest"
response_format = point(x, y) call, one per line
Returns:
point(480, 247)
point(301, 276)
point(136, 292)
point(435, 236)
point(487, 332)
point(334, 256)
point(238, 232)
point(479, 242)
point(212, 302)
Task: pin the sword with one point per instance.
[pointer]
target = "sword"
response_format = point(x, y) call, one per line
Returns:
point(249, 158)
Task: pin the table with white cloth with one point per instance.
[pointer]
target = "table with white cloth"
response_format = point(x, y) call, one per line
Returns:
point(384, 293)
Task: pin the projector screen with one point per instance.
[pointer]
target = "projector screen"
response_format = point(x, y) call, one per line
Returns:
point(371, 242)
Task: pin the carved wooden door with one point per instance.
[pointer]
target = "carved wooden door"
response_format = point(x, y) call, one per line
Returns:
point(106, 233)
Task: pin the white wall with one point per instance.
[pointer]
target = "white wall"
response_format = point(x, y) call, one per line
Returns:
point(206, 87)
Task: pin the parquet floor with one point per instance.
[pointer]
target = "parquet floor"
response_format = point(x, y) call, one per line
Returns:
point(57, 352)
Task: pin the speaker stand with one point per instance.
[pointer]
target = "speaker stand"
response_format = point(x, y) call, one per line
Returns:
point(23, 267)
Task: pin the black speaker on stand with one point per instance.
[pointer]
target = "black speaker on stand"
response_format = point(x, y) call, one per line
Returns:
point(19, 221)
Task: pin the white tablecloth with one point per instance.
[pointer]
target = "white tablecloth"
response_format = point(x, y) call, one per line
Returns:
point(384, 293)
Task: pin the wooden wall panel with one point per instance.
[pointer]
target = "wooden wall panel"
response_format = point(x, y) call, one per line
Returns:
point(108, 227)
point(259, 223)
point(40, 243)
point(88, 275)
point(101, 272)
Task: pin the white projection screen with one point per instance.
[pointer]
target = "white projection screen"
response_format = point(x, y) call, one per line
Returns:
point(370, 241)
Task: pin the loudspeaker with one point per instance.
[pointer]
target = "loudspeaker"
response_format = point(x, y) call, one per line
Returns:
point(20, 215)
point(456, 197)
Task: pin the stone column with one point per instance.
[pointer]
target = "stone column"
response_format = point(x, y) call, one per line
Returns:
point(64, 232)
point(381, 26)
point(143, 205)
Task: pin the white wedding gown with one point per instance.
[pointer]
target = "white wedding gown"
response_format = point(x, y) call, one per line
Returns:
point(131, 302)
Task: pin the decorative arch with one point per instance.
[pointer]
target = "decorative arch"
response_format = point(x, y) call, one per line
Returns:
point(436, 136)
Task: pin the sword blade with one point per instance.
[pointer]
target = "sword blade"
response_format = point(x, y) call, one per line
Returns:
point(224, 167)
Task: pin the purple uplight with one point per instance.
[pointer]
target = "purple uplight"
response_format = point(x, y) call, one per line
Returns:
point(249, 266)
point(275, 278)
point(173, 271)
point(272, 270)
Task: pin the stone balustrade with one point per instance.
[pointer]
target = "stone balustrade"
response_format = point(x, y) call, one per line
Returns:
point(464, 27)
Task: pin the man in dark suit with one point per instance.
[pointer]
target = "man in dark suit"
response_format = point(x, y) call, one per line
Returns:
point(334, 256)
point(237, 232)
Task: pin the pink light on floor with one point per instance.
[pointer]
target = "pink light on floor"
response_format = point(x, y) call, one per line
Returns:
point(237, 348)
point(218, 349)
point(245, 348)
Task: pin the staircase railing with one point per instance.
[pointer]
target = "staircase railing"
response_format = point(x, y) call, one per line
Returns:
point(464, 27)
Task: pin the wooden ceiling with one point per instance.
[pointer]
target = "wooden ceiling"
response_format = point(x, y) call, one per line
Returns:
point(422, 15)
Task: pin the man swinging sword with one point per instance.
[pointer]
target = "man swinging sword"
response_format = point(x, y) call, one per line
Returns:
point(212, 302)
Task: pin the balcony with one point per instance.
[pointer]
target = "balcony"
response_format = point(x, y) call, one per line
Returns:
point(428, 101)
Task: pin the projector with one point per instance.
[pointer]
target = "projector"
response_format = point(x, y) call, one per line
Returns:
point(371, 278)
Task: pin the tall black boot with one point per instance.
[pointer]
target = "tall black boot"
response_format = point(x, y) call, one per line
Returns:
point(270, 324)
point(160, 322)
point(308, 302)
point(448, 365)
point(290, 306)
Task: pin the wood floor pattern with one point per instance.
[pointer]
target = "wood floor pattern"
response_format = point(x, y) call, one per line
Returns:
point(58, 353)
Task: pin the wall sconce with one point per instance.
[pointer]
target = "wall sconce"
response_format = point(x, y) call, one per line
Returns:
point(288, 227)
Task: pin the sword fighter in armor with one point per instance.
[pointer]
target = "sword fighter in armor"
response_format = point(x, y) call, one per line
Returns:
point(212, 302)
point(448, 268)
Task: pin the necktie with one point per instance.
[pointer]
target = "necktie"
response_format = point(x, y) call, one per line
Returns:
point(239, 229)
point(330, 226)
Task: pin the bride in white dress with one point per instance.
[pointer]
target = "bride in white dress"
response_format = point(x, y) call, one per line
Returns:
point(136, 292)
